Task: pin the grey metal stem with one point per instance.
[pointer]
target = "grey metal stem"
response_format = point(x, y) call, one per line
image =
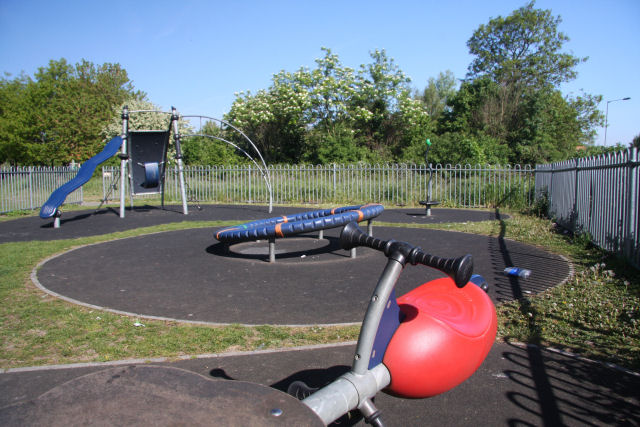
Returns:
point(379, 299)
point(368, 409)
point(348, 392)
point(356, 388)
point(176, 136)
point(123, 160)
point(272, 249)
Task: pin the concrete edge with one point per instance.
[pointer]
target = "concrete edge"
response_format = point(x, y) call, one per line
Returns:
point(174, 358)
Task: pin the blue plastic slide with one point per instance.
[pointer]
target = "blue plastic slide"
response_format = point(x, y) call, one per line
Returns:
point(84, 174)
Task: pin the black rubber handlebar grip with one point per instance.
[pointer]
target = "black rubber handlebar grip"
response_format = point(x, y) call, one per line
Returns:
point(459, 269)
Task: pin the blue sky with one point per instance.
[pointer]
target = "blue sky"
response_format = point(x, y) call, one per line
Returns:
point(196, 54)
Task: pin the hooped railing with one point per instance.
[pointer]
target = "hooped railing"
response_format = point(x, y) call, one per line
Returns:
point(264, 169)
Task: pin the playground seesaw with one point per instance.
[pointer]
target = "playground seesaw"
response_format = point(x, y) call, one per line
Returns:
point(415, 346)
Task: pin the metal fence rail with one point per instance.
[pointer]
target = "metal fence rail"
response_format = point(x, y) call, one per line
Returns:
point(391, 184)
point(396, 184)
point(599, 196)
point(28, 187)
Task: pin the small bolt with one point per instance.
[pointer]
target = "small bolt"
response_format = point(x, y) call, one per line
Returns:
point(276, 412)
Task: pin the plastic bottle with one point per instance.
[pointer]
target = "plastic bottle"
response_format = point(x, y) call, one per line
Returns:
point(479, 281)
point(517, 271)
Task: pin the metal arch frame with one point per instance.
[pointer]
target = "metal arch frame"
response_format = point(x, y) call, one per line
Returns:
point(264, 169)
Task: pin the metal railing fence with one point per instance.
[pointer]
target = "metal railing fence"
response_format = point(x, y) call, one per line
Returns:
point(28, 187)
point(393, 184)
point(596, 195)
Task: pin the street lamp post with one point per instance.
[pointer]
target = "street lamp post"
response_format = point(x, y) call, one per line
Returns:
point(606, 117)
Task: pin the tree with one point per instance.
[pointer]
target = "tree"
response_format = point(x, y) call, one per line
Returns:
point(332, 113)
point(521, 54)
point(438, 93)
point(201, 150)
point(522, 50)
point(274, 119)
point(57, 116)
point(512, 92)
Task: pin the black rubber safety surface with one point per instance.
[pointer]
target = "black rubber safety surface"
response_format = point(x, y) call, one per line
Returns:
point(186, 275)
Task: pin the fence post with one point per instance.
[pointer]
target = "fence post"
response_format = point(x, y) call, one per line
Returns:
point(31, 187)
point(632, 204)
point(574, 214)
point(249, 179)
point(335, 188)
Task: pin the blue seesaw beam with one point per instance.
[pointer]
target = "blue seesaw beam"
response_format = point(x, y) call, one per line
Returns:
point(84, 174)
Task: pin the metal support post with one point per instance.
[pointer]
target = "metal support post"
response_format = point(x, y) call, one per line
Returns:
point(123, 159)
point(374, 313)
point(272, 249)
point(176, 137)
point(632, 206)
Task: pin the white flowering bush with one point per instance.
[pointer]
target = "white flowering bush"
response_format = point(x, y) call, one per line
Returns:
point(333, 112)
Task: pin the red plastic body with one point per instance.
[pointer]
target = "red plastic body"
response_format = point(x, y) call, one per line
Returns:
point(445, 336)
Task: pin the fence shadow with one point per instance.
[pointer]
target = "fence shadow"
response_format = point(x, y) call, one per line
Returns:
point(545, 395)
point(556, 389)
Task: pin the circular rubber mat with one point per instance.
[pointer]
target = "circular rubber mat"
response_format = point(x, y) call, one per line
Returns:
point(186, 275)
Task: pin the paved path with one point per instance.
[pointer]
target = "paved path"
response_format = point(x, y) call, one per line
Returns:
point(515, 386)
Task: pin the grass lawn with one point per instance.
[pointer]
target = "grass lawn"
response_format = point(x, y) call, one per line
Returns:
point(594, 314)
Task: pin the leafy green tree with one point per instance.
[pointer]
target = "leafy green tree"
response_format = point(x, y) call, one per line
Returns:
point(512, 90)
point(14, 120)
point(381, 87)
point(57, 116)
point(522, 50)
point(274, 119)
point(438, 93)
point(331, 112)
point(521, 54)
point(330, 87)
point(339, 145)
point(207, 150)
